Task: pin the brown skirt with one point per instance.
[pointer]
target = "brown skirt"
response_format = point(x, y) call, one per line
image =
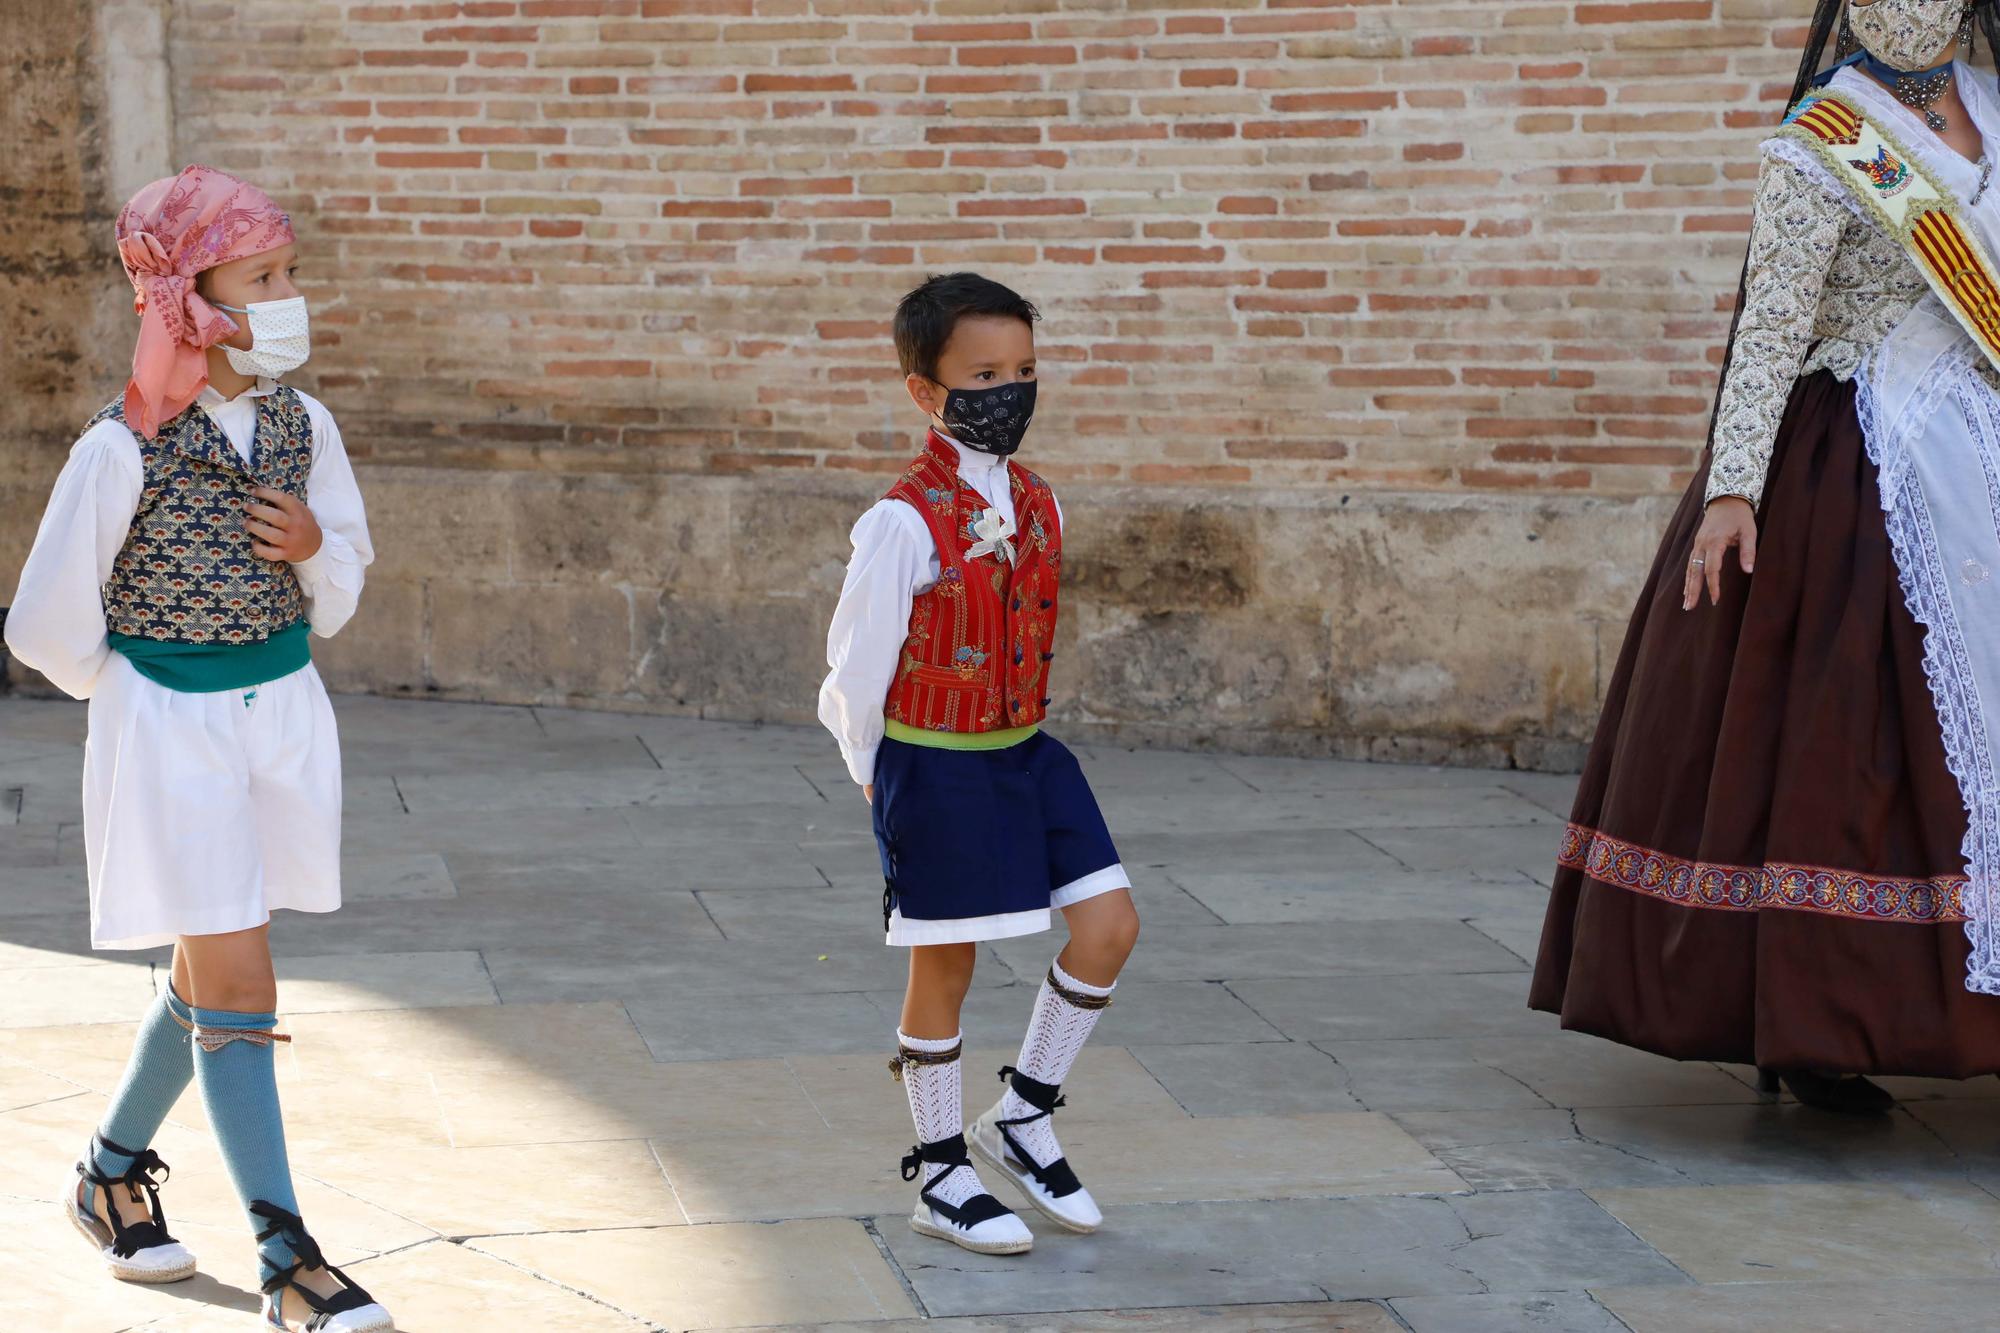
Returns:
point(1763, 865)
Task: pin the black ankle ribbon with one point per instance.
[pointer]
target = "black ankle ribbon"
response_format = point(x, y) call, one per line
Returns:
point(952, 1154)
point(1058, 1178)
point(291, 1228)
point(128, 1238)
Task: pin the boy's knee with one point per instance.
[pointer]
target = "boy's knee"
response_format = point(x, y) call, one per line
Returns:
point(1126, 930)
point(946, 960)
point(1114, 932)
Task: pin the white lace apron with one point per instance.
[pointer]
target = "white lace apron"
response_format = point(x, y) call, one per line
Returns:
point(1932, 427)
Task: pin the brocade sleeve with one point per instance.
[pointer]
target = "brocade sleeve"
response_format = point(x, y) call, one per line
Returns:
point(1794, 236)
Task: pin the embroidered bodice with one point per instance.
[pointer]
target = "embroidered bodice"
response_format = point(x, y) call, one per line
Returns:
point(1823, 287)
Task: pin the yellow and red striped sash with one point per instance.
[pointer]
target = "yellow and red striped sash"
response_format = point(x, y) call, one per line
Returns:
point(1895, 188)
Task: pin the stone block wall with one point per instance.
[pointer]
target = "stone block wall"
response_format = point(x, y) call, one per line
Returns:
point(1378, 335)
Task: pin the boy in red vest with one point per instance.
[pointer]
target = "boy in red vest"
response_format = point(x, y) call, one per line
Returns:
point(940, 653)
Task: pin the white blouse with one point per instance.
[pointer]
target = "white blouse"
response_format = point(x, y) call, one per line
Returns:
point(894, 562)
point(56, 623)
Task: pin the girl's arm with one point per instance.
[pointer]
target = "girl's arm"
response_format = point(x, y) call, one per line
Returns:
point(56, 623)
point(331, 577)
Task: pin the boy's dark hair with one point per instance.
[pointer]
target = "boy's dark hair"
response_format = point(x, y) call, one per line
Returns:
point(926, 317)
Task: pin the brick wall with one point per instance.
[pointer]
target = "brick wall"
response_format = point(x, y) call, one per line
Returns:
point(1375, 332)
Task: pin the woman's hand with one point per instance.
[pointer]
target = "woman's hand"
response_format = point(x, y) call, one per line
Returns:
point(1730, 521)
point(281, 528)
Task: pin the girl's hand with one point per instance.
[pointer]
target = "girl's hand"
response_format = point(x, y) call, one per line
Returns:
point(868, 791)
point(1730, 521)
point(282, 528)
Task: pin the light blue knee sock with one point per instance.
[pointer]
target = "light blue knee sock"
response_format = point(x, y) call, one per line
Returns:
point(162, 1063)
point(239, 1089)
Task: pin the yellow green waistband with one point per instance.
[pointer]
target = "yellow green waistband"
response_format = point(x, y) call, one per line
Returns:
point(956, 740)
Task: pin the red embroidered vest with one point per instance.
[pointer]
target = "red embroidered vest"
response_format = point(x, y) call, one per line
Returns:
point(977, 657)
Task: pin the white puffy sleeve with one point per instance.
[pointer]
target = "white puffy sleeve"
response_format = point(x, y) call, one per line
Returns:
point(332, 576)
point(56, 621)
point(894, 560)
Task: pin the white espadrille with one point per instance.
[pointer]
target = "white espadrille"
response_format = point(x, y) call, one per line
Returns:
point(292, 1307)
point(980, 1223)
point(1053, 1188)
point(131, 1251)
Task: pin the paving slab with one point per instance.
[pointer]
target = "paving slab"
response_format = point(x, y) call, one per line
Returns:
point(710, 784)
point(1534, 1149)
point(1291, 1250)
point(1250, 1078)
point(1854, 1306)
point(27, 845)
point(334, 982)
point(1503, 850)
point(1814, 1232)
point(439, 1287)
point(1378, 1007)
point(725, 1276)
point(395, 877)
point(1558, 1069)
point(1344, 896)
point(676, 1027)
point(1316, 1316)
point(1540, 1312)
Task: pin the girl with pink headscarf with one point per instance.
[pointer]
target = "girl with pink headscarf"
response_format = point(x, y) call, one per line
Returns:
point(206, 527)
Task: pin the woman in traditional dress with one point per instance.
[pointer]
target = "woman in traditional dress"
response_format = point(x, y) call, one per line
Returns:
point(1785, 849)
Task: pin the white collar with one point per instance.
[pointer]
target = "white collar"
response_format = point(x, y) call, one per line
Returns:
point(970, 459)
point(211, 397)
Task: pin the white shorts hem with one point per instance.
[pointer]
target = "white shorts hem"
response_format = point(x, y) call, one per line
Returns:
point(1106, 880)
point(967, 929)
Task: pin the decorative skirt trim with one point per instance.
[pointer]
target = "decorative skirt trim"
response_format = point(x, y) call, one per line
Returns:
point(1773, 885)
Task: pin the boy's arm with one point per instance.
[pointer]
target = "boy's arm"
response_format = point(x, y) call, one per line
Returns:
point(331, 577)
point(56, 623)
point(891, 564)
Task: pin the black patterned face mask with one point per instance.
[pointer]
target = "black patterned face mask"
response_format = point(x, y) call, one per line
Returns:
point(991, 420)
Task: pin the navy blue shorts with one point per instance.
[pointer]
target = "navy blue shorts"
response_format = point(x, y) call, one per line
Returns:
point(980, 844)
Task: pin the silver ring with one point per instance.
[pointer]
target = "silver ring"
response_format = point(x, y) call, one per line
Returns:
point(1698, 562)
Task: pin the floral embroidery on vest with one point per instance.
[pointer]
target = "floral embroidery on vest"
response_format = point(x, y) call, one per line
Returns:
point(980, 641)
point(188, 572)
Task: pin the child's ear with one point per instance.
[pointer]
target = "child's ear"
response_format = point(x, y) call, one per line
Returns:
point(924, 393)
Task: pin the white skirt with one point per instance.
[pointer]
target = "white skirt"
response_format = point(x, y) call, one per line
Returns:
point(204, 813)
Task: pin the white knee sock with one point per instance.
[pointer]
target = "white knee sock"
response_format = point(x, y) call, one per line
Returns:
point(1056, 1033)
point(937, 1105)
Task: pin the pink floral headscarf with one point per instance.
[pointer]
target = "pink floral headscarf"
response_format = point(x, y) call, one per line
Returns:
point(169, 232)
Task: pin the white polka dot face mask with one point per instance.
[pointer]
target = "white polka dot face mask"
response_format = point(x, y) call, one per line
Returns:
point(280, 338)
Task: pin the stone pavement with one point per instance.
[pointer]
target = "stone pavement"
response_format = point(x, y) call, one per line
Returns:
point(599, 1043)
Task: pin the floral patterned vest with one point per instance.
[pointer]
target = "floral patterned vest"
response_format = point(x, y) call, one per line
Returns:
point(187, 572)
point(977, 656)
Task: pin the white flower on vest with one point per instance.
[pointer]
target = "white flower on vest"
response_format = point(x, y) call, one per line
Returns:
point(993, 529)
